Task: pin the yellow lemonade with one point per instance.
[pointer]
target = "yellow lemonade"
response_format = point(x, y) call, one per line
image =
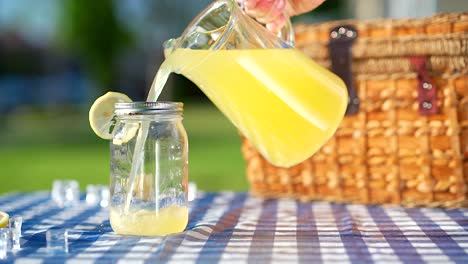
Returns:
point(282, 101)
point(144, 222)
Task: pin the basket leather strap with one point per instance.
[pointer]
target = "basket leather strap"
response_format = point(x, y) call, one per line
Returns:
point(341, 41)
point(427, 92)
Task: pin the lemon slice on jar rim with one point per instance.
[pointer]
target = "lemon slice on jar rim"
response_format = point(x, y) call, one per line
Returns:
point(125, 134)
point(4, 217)
point(102, 118)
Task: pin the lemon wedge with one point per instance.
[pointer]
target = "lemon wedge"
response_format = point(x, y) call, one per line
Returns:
point(101, 114)
point(4, 219)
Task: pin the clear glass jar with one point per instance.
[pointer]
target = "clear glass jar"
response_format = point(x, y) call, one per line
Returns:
point(149, 169)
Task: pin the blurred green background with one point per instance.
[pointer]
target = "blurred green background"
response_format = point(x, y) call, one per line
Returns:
point(40, 146)
point(58, 56)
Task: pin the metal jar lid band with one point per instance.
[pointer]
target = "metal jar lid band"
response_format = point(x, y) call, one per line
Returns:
point(148, 108)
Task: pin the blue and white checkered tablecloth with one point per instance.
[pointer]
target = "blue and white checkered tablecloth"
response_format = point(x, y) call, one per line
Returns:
point(236, 228)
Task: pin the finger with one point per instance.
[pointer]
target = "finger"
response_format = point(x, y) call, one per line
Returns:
point(275, 11)
point(276, 25)
point(258, 8)
point(266, 11)
point(267, 18)
point(248, 3)
point(297, 7)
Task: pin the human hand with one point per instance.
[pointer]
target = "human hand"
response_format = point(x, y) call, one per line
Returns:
point(273, 13)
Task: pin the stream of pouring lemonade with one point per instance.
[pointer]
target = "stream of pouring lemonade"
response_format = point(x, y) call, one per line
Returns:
point(284, 103)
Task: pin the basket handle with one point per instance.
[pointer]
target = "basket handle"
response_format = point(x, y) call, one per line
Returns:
point(341, 41)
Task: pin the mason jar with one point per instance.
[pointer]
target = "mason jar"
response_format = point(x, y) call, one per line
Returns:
point(149, 169)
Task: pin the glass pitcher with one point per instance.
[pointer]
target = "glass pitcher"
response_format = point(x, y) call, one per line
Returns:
point(287, 105)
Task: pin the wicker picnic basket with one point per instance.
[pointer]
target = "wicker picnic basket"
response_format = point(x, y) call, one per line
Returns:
point(405, 137)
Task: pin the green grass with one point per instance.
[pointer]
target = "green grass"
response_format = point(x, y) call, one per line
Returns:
point(35, 167)
point(38, 147)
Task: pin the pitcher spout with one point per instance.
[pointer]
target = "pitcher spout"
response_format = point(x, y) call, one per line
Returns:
point(169, 46)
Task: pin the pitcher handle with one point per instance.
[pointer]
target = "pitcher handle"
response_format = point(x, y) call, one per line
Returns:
point(287, 31)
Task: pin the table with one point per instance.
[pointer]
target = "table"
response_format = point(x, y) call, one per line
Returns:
point(236, 227)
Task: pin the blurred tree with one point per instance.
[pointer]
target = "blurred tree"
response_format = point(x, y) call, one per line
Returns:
point(90, 30)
